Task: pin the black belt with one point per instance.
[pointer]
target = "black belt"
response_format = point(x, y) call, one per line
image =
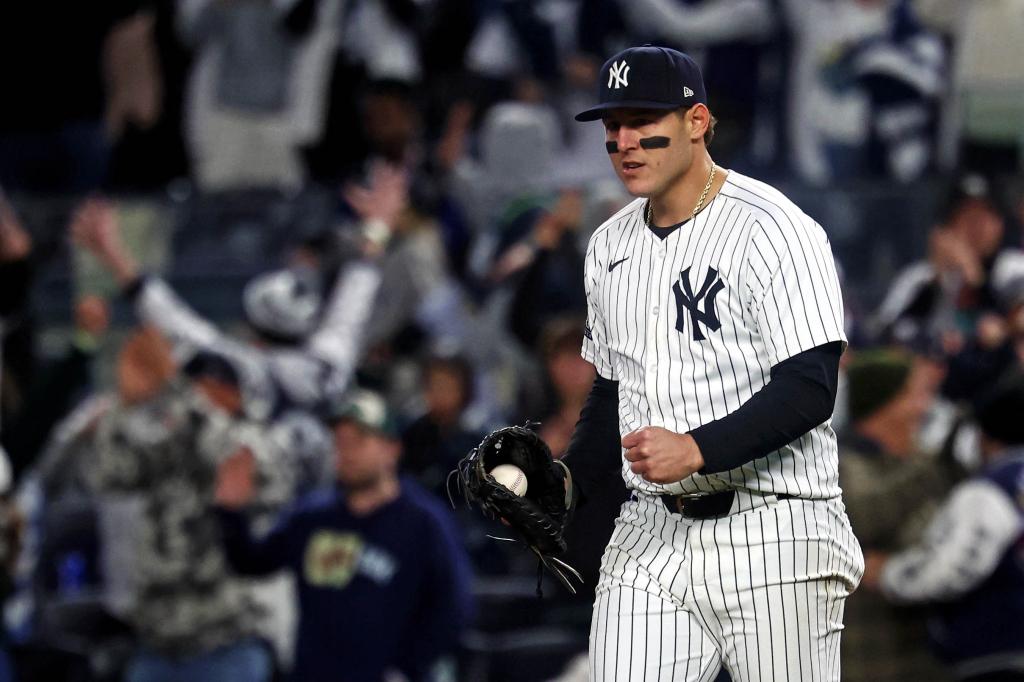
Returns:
point(710, 506)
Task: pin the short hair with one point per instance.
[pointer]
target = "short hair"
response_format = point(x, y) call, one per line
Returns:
point(709, 134)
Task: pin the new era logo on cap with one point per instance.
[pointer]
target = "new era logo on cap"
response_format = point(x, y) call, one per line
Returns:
point(662, 79)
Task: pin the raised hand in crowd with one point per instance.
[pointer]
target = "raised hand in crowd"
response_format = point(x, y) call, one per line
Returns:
point(236, 480)
point(95, 227)
point(951, 253)
point(455, 138)
point(131, 65)
point(144, 366)
point(379, 204)
point(564, 217)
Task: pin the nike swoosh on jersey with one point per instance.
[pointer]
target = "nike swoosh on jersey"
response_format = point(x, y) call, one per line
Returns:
point(615, 264)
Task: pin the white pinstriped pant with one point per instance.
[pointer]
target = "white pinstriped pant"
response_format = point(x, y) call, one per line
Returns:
point(760, 592)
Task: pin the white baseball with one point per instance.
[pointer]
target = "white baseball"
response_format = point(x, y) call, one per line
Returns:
point(510, 476)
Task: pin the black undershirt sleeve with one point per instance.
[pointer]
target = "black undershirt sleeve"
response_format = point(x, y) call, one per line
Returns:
point(800, 395)
point(595, 450)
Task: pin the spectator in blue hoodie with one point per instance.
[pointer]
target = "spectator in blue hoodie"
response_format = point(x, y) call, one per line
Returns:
point(383, 580)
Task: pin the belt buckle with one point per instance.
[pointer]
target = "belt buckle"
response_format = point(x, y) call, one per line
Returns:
point(681, 501)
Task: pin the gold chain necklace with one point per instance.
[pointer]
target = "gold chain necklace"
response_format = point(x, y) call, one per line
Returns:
point(700, 201)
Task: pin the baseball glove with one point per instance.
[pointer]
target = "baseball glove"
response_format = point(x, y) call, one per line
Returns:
point(541, 515)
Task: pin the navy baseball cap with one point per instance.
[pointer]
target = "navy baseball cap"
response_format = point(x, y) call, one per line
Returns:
point(647, 77)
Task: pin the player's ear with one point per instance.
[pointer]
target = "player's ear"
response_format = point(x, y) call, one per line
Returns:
point(698, 118)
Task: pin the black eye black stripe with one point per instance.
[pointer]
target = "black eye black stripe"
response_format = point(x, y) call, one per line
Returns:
point(653, 142)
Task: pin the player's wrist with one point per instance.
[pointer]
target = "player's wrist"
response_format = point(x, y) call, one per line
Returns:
point(694, 451)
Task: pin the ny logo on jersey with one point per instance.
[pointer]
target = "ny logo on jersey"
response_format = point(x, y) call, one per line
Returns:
point(619, 75)
point(686, 299)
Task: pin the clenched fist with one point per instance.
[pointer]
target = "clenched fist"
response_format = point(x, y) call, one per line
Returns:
point(662, 456)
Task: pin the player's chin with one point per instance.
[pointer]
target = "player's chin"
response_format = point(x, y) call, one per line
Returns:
point(636, 185)
point(636, 189)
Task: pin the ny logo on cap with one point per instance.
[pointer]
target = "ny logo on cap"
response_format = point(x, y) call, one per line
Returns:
point(619, 75)
point(687, 92)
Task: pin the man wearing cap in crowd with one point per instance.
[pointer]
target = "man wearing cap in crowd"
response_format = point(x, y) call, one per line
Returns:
point(891, 490)
point(383, 579)
point(970, 564)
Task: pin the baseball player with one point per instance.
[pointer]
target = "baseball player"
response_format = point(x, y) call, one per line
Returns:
point(715, 324)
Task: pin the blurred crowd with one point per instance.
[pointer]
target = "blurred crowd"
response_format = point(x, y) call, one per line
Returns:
point(260, 490)
point(130, 94)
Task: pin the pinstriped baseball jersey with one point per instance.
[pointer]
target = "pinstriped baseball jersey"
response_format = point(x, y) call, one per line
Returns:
point(690, 326)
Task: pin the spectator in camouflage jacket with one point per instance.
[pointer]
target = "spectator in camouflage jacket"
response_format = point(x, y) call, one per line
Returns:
point(195, 621)
point(891, 490)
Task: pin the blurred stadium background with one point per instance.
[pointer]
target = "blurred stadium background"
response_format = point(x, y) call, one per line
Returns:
point(229, 135)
